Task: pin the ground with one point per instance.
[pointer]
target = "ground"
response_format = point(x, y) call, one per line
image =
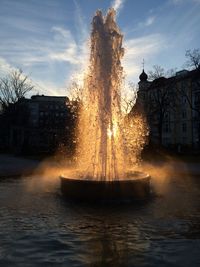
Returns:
point(17, 166)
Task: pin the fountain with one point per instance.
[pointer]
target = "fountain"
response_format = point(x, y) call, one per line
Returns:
point(109, 141)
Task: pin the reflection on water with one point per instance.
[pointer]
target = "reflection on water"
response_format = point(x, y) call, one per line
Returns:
point(40, 228)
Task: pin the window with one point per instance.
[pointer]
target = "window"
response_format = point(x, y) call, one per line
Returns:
point(184, 100)
point(184, 114)
point(197, 96)
point(166, 141)
point(197, 127)
point(197, 99)
point(184, 128)
point(184, 140)
point(167, 116)
point(166, 128)
point(34, 112)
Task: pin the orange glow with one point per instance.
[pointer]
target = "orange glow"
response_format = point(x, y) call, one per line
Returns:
point(109, 141)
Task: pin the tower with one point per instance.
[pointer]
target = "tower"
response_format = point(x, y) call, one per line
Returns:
point(143, 86)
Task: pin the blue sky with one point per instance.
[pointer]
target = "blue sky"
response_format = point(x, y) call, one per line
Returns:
point(48, 39)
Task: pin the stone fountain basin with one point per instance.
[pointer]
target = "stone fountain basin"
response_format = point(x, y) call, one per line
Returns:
point(135, 187)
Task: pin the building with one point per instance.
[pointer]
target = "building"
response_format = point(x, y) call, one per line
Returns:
point(172, 108)
point(42, 124)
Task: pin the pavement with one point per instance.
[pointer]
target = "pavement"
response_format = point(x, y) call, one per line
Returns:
point(177, 167)
point(16, 166)
point(192, 168)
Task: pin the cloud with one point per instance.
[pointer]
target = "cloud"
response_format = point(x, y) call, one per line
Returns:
point(72, 52)
point(142, 24)
point(49, 88)
point(5, 67)
point(178, 2)
point(148, 22)
point(50, 60)
point(138, 48)
point(39, 44)
point(118, 5)
point(80, 22)
point(69, 55)
point(63, 32)
point(69, 51)
point(59, 46)
point(40, 86)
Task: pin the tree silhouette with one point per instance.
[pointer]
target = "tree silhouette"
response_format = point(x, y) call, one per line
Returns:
point(13, 87)
point(193, 58)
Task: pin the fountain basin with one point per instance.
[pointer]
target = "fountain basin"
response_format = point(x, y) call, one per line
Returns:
point(136, 187)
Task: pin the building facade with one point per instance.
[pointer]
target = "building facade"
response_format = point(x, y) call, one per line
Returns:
point(42, 125)
point(172, 108)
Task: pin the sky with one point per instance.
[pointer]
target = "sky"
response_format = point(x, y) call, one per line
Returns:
point(49, 39)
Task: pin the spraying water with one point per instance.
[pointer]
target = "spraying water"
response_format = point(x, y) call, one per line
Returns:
point(107, 137)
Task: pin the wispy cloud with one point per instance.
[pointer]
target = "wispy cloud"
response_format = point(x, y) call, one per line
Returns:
point(51, 46)
point(138, 48)
point(5, 67)
point(43, 45)
point(149, 21)
point(141, 25)
point(42, 57)
point(80, 22)
point(69, 50)
point(118, 5)
point(60, 46)
point(177, 2)
point(40, 86)
point(49, 88)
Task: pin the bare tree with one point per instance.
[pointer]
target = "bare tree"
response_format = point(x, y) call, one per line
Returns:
point(170, 72)
point(14, 87)
point(161, 100)
point(128, 97)
point(193, 58)
point(156, 72)
point(191, 96)
point(76, 91)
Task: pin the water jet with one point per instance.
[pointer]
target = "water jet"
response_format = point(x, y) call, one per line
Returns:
point(109, 141)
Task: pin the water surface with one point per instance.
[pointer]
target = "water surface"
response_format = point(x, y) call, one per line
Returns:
point(38, 227)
